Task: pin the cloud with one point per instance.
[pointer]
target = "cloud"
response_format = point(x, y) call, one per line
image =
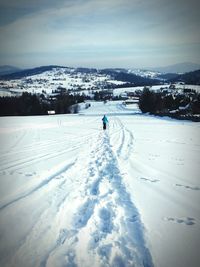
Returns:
point(114, 27)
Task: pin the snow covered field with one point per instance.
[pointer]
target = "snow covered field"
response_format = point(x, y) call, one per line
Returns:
point(73, 195)
point(49, 81)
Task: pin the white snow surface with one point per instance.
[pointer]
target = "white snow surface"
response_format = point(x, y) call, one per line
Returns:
point(72, 194)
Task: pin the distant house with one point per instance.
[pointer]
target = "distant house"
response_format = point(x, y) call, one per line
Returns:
point(51, 112)
point(62, 90)
point(131, 101)
point(123, 95)
point(108, 93)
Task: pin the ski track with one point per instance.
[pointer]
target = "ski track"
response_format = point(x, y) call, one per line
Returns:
point(56, 147)
point(53, 185)
point(44, 145)
point(37, 158)
point(123, 139)
point(46, 226)
point(44, 182)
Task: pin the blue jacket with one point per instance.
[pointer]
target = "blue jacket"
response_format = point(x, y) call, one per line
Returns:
point(104, 119)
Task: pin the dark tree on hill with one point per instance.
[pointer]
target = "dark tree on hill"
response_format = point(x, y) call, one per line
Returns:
point(149, 101)
point(196, 105)
point(28, 104)
point(97, 96)
point(169, 102)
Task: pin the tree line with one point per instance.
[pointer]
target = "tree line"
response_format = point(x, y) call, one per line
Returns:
point(177, 105)
point(32, 104)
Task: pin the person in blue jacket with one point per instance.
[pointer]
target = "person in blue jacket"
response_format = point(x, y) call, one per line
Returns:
point(105, 121)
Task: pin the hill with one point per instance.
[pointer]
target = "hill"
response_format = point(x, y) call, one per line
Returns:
point(121, 75)
point(28, 72)
point(188, 78)
point(178, 68)
point(6, 69)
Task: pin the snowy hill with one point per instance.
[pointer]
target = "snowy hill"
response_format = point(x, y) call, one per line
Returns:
point(73, 195)
point(145, 73)
point(178, 68)
point(51, 78)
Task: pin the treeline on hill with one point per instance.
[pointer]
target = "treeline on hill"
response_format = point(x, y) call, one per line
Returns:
point(31, 104)
point(130, 78)
point(179, 106)
point(28, 72)
point(188, 78)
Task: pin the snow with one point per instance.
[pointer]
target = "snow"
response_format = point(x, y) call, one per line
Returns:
point(145, 73)
point(73, 195)
point(49, 81)
point(188, 86)
point(119, 91)
point(4, 92)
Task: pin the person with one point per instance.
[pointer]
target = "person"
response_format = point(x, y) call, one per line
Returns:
point(105, 121)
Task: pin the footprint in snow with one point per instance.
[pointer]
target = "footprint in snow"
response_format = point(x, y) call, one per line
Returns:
point(84, 213)
point(94, 189)
point(92, 172)
point(106, 215)
point(153, 156)
point(29, 174)
point(188, 187)
point(59, 177)
point(150, 180)
point(65, 234)
point(105, 251)
point(105, 227)
point(186, 221)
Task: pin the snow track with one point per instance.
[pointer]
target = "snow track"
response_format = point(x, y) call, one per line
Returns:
point(73, 195)
point(106, 229)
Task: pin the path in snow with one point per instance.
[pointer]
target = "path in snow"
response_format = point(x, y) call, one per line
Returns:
point(78, 212)
point(106, 230)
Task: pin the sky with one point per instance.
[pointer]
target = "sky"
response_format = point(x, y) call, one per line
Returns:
point(99, 33)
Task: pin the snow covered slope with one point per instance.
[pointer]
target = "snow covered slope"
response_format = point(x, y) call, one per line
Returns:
point(48, 79)
point(73, 195)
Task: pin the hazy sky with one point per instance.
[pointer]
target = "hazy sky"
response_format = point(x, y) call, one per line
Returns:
point(99, 33)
